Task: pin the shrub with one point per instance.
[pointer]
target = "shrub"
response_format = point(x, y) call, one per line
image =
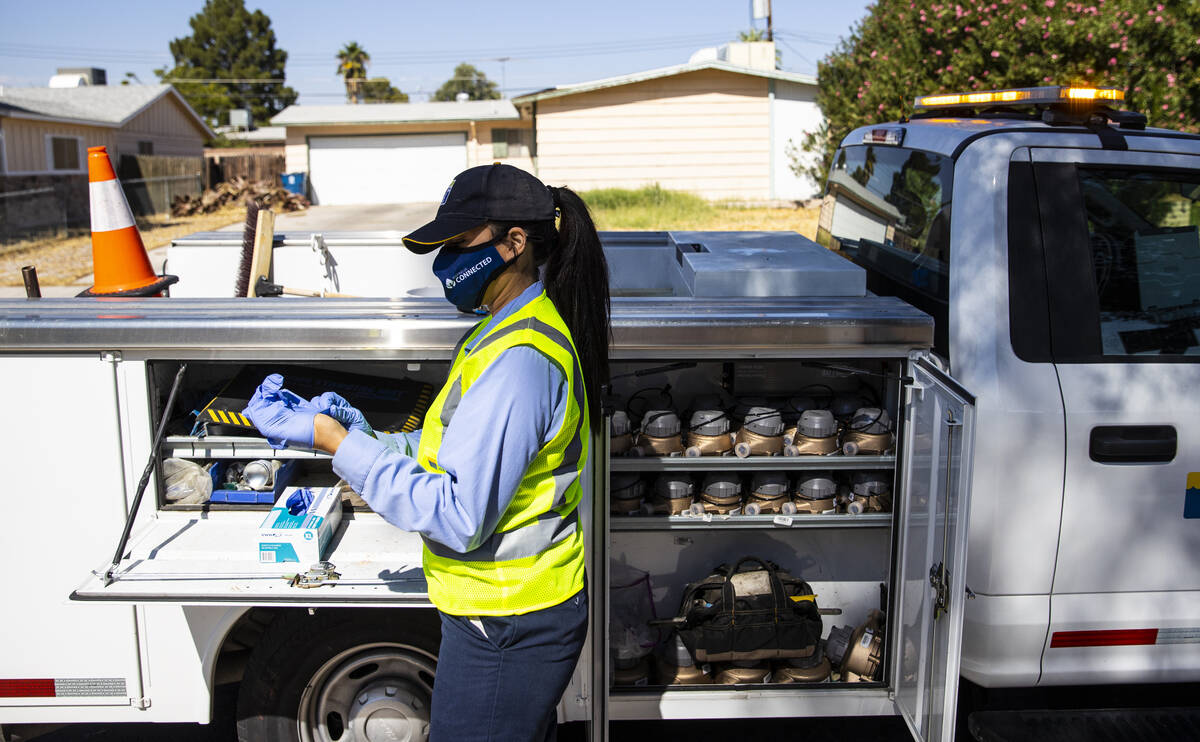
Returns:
point(906, 48)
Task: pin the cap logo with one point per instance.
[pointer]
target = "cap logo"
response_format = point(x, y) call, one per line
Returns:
point(449, 283)
point(446, 195)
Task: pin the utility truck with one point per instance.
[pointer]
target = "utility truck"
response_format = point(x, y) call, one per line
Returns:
point(1016, 322)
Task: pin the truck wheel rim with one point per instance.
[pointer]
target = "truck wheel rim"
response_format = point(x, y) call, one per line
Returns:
point(367, 693)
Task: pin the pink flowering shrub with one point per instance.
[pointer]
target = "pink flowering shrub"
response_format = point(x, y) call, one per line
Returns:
point(906, 48)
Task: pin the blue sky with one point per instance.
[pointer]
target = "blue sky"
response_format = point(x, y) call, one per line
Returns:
point(417, 44)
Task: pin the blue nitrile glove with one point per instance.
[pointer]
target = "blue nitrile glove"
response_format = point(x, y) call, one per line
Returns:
point(300, 501)
point(336, 406)
point(283, 417)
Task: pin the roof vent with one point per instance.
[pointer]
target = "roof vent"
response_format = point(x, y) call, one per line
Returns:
point(462, 97)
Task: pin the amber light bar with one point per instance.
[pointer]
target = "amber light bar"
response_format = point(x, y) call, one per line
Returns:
point(1027, 96)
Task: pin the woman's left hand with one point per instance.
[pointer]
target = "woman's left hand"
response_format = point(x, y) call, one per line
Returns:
point(336, 406)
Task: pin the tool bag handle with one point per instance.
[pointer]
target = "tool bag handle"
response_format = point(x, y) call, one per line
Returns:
point(681, 619)
point(772, 574)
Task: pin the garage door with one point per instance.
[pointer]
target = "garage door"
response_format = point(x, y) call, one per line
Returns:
point(383, 169)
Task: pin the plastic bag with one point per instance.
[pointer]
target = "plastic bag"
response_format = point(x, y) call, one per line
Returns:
point(630, 607)
point(187, 483)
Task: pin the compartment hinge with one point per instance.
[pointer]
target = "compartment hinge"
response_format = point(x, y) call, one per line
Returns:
point(110, 356)
point(939, 579)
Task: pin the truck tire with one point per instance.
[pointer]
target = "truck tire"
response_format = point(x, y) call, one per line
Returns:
point(341, 675)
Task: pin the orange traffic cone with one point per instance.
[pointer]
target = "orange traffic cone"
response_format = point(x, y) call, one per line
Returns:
point(120, 264)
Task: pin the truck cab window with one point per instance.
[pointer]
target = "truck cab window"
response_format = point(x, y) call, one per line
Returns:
point(888, 210)
point(1145, 248)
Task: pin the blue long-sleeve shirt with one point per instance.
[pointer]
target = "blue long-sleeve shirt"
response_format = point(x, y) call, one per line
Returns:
point(506, 416)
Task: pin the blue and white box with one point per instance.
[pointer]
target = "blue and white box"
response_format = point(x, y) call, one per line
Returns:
point(304, 537)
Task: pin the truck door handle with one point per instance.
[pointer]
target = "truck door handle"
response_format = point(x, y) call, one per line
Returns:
point(1133, 444)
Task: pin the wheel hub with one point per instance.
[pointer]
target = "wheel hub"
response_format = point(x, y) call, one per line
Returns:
point(371, 693)
point(389, 712)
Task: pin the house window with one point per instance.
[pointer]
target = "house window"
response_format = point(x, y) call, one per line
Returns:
point(145, 147)
point(64, 153)
point(510, 143)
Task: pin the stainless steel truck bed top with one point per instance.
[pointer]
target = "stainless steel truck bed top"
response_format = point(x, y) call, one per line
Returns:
point(328, 329)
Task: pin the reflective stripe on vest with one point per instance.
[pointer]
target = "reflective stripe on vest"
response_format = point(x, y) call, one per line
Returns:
point(534, 557)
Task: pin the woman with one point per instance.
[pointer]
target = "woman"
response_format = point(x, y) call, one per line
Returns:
point(493, 480)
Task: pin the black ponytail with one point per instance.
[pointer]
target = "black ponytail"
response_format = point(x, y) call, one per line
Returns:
point(576, 280)
point(575, 274)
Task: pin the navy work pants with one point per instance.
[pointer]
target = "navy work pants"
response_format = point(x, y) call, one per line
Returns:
point(501, 677)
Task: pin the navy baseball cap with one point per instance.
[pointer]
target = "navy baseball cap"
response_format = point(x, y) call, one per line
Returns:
point(488, 193)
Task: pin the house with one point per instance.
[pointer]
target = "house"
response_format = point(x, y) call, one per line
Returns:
point(45, 134)
point(397, 152)
point(725, 125)
point(720, 126)
point(46, 131)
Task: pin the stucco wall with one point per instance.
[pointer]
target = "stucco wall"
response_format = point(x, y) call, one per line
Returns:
point(706, 132)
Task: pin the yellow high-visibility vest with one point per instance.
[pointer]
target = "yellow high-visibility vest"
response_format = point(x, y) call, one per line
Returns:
point(534, 557)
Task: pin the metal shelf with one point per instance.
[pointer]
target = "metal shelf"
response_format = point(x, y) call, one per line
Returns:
point(231, 447)
point(726, 522)
point(745, 701)
point(751, 463)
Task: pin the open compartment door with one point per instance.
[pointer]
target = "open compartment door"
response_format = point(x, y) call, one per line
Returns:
point(206, 558)
point(927, 610)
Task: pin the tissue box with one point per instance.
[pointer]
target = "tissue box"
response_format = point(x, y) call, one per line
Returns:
point(304, 537)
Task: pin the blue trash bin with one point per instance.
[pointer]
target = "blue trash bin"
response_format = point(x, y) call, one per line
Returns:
point(293, 182)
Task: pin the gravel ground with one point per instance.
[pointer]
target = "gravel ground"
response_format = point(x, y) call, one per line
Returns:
point(64, 261)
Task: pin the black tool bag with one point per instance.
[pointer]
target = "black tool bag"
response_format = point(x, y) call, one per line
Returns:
point(750, 611)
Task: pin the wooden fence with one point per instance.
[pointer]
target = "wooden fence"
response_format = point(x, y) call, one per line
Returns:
point(151, 182)
point(252, 163)
point(33, 205)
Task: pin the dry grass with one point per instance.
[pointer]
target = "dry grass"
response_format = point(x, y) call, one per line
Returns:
point(62, 261)
point(655, 208)
point(799, 219)
point(718, 218)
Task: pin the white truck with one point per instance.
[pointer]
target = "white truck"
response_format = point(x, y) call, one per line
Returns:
point(1043, 532)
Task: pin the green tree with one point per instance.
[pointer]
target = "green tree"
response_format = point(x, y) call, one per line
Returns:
point(470, 80)
point(229, 42)
point(380, 90)
point(905, 48)
point(352, 66)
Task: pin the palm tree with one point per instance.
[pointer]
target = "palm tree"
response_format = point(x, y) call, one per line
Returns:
point(352, 66)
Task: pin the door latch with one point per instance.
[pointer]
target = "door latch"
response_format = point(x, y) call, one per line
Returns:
point(321, 573)
point(939, 579)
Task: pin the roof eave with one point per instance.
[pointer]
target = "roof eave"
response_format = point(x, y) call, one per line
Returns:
point(58, 119)
point(394, 122)
point(661, 72)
